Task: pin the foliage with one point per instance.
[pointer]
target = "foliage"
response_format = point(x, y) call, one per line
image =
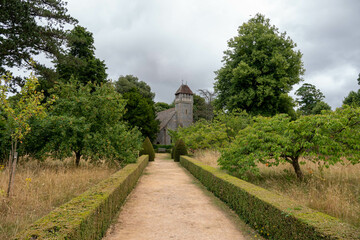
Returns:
point(353, 99)
point(200, 108)
point(327, 138)
point(213, 134)
point(18, 114)
point(126, 83)
point(180, 149)
point(260, 67)
point(29, 28)
point(273, 216)
point(310, 99)
point(161, 106)
point(147, 149)
point(209, 97)
point(80, 61)
point(140, 112)
point(319, 107)
point(87, 120)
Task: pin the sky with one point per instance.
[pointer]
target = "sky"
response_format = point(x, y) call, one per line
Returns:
point(166, 42)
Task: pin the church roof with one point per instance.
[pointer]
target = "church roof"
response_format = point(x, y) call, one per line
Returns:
point(165, 116)
point(184, 89)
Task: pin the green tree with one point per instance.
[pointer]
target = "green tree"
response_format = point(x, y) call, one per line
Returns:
point(80, 61)
point(127, 83)
point(18, 115)
point(353, 99)
point(29, 28)
point(140, 112)
point(309, 99)
point(200, 108)
point(161, 106)
point(87, 120)
point(260, 67)
point(324, 139)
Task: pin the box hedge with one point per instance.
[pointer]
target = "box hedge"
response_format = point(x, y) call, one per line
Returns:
point(89, 215)
point(272, 215)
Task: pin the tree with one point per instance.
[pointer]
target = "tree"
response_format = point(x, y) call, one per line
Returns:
point(87, 120)
point(200, 108)
point(126, 83)
point(161, 106)
point(29, 28)
point(319, 107)
point(260, 67)
point(17, 116)
point(80, 61)
point(324, 139)
point(309, 98)
point(353, 99)
point(209, 98)
point(140, 112)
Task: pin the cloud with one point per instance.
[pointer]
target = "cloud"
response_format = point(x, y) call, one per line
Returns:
point(164, 42)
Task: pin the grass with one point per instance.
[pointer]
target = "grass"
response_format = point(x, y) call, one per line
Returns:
point(41, 187)
point(335, 191)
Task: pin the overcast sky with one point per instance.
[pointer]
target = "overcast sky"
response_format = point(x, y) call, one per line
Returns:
point(163, 42)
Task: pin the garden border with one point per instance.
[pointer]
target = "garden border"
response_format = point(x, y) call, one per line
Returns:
point(272, 215)
point(88, 215)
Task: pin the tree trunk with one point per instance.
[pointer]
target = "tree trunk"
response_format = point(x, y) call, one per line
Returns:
point(77, 158)
point(12, 168)
point(296, 165)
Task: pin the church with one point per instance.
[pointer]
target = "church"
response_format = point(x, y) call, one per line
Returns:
point(180, 116)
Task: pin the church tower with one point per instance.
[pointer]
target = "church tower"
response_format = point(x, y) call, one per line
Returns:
point(184, 102)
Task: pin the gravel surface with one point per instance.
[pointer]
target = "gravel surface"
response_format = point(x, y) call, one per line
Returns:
point(167, 204)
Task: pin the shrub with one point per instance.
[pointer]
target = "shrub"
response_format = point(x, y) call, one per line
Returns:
point(148, 149)
point(180, 149)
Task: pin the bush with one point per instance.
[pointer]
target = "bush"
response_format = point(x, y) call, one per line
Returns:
point(148, 149)
point(180, 149)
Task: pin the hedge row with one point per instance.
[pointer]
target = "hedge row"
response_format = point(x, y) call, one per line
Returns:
point(89, 215)
point(274, 216)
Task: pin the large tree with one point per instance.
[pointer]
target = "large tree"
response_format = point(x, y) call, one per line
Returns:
point(80, 61)
point(310, 100)
point(29, 28)
point(126, 83)
point(140, 112)
point(260, 67)
point(87, 121)
point(140, 105)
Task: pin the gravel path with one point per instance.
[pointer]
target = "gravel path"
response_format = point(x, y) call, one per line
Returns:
point(168, 204)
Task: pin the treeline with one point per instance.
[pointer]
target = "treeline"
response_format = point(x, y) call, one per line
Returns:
point(72, 108)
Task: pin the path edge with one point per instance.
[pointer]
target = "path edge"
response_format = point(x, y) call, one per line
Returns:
point(270, 214)
point(89, 215)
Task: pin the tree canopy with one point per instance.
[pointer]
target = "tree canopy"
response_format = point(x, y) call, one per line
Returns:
point(80, 61)
point(29, 28)
point(310, 100)
point(324, 139)
point(140, 112)
point(353, 99)
point(126, 83)
point(260, 67)
point(86, 120)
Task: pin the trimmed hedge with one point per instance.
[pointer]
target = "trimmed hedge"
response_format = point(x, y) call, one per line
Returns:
point(180, 149)
point(89, 215)
point(147, 149)
point(274, 216)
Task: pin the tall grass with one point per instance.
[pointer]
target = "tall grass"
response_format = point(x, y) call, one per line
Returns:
point(335, 191)
point(40, 188)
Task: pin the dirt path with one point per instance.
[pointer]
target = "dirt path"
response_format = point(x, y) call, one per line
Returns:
point(168, 204)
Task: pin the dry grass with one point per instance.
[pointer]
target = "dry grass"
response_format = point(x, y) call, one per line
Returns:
point(335, 191)
point(208, 157)
point(39, 188)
